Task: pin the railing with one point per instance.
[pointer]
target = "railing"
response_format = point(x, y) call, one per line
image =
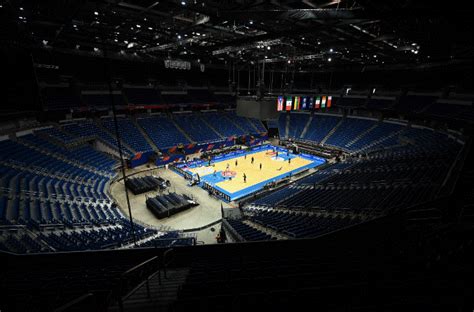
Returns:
point(142, 272)
point(74, 304)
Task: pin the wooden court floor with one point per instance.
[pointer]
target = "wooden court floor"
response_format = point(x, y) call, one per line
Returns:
point(271, 168)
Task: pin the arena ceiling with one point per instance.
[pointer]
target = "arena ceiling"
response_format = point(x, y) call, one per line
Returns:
point(319, 33)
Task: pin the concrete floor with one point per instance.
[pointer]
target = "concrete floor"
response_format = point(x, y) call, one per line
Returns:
point(208, 211)
point(207, 236)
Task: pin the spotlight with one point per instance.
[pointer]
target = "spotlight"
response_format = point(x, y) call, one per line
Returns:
point(329, 59)
point(96, 13)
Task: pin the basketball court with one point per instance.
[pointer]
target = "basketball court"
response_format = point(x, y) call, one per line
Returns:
point(269, 164)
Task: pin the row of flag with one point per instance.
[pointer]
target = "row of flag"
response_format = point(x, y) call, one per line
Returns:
point(289, 103)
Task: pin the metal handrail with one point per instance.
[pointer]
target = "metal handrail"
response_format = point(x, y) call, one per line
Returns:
point(73, 302)
point(141, 269)
point(167, 262)
point(124, 279)
point(139, 266)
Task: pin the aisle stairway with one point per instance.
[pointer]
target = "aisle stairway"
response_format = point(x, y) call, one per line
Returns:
point(306, 127)
point(181, 129)
point(332, 131)
point(160, 298)
point(145, 135)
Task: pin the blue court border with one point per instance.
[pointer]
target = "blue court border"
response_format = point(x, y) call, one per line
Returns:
point(211, 180)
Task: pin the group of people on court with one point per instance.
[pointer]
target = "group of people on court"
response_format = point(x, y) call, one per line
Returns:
point(252, 160)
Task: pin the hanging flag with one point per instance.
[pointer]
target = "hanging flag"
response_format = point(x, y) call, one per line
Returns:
point(288, 103)
point(296, 103)
point(310, 103)
point(329, 101)
point(318, 102)
point(323, 102)
point(280, 103)
point(304, 104)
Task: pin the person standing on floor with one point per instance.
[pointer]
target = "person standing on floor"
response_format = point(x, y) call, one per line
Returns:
point(245, 178)
point(260, 166)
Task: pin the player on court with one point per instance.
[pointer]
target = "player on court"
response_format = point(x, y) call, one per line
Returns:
point(245, 178)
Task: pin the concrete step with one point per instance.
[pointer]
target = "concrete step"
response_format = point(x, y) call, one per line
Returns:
point(145, 135)
point(287, 126)
point(306, 127)
point(212, 128)
point(330, 133)
point(182, 131)
point(161, 296)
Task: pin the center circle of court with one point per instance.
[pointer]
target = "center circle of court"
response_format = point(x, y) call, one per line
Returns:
point(229, 173)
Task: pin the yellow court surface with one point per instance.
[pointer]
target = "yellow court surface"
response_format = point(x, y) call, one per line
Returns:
point(271, 167)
